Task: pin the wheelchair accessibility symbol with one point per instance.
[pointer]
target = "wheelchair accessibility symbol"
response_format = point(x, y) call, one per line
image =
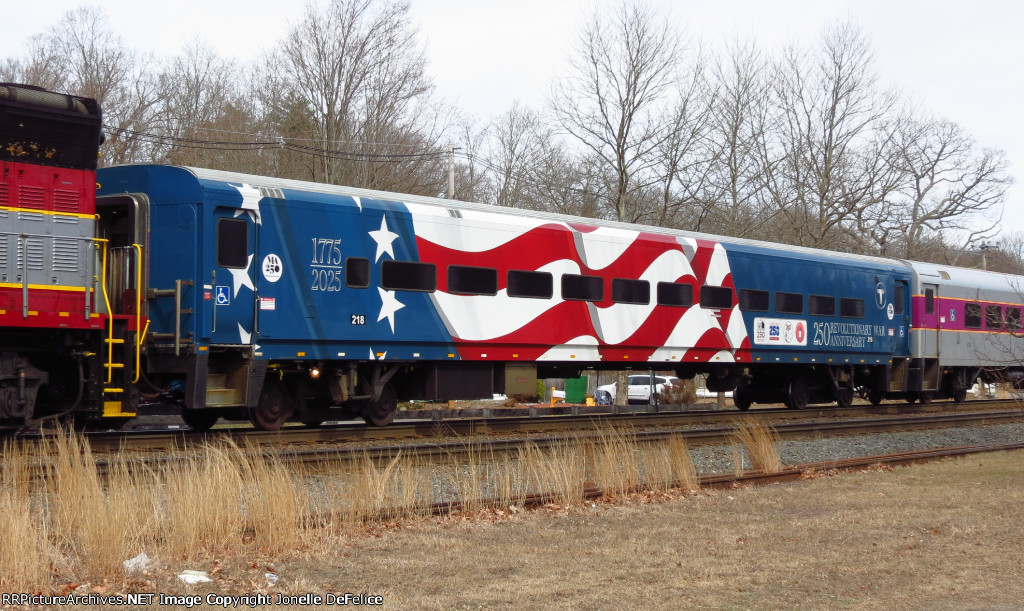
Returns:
point(223, 296)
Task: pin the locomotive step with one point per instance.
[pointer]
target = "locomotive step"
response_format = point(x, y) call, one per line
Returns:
point(223, 397)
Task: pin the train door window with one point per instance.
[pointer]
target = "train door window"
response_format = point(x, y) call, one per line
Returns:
point(408, 276)
point(929, 301)
point(851, 308)
point(897, 298)
point(464, 280)
point(789, 303)
point(821, 305)
point(357, 272)
point(582, 288)
point(232, 243)
point(972, 315)
point(753, 301)
point(993, 317)
point(1013, 320)
point(534, 285)
point(631, 291)
point(675, 294)
point(715, 297)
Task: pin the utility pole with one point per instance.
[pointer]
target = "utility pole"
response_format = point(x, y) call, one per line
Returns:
point(451, 171)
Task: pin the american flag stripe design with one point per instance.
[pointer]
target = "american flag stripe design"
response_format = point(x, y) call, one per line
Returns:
point(558, 329)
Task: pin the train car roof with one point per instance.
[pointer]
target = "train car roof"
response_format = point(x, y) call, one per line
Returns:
point(971, 279)
point(207, 176)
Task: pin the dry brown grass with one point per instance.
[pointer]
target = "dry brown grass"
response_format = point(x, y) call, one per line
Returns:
point(221, 499)
point(760, 441)
point(938, 536)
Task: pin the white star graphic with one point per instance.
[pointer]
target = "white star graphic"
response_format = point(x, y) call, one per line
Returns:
point(359, 202)
point(241, 277)
point(384, 237)
point(389, 304)
point(244, 335)
point(250, 202)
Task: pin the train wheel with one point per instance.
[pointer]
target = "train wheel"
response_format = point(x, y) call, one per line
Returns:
point(797, 395)
point(875, 396)
point(911, 398)
point(741, 399)
point(925, 397)
point(200, 420)
point(844, 397)
point(959, 395)
point(381, 412)
point(273, 410)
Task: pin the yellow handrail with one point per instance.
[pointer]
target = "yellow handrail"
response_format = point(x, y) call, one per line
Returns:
point(110, 311)
point(139, 332)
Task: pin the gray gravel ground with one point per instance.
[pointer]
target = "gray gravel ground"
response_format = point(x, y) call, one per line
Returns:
point(719, 459)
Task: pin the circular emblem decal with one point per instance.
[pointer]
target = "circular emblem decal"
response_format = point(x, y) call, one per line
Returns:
point(272, 268)
point(890, 311)
point(801, 332)
point(880, 295)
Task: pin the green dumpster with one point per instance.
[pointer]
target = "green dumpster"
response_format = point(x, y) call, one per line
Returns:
point(576, 390)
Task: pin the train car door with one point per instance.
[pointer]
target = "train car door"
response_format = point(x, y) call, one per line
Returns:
point(232, 279)
point(931, 322)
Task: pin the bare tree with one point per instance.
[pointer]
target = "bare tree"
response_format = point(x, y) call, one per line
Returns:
point(951, 188)
point(198, 104)
point(83, 56)
point(359, 69)
point(519, 141)
point(685, 156)
point(828, 106)
point(622, 69)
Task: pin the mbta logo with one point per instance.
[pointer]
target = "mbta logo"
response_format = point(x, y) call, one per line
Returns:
point(880, 296)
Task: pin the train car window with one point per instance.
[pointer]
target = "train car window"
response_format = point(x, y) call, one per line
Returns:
point(465, 280)
point(675, 294)
point(929, 301)
point(232, 243)
point(789, 303)
point(993, 317)
point(754, 301)
point(357, 272)
point(534, 285)
point(582, 288)
point(631, 291)
point(851, 308)
point(408, 276)
point(715, 297)
point(1013, 320)
point(821, 305)
point(972, 315)
point(897, 298)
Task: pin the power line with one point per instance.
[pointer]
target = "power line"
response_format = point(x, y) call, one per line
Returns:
point(280, 144)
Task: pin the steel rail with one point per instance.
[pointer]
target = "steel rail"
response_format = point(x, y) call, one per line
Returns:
point(318, 455)
point(464, 427)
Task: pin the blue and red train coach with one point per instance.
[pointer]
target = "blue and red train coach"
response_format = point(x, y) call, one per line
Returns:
point(279, 299)
point(252, 297)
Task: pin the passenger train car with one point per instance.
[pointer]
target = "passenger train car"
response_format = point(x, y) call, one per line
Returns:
point(242, 296)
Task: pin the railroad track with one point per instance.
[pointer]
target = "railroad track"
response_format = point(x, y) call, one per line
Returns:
point(434, 428)
point(695, 431)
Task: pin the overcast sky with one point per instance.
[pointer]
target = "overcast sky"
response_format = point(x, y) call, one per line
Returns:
point(958, 60)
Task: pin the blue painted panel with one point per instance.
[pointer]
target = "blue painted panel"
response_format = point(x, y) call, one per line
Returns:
point(874, 337)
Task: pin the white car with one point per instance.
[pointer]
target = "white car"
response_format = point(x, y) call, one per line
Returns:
point(704, 393)
point(639, 390)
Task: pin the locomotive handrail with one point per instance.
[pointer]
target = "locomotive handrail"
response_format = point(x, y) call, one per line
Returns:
point(139, 332)
point(110, 312)
point(24, 275)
